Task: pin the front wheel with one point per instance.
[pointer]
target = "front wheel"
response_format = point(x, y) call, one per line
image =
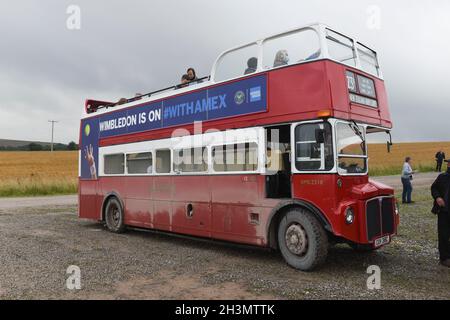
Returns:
point(302, 240)
point(114, 217)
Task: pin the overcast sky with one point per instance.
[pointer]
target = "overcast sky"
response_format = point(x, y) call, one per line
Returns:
point(124, 47)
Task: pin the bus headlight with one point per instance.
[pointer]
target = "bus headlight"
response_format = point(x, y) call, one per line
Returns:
point(349, 215)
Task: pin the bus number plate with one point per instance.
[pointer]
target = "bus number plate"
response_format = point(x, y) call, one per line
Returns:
point(381, 241)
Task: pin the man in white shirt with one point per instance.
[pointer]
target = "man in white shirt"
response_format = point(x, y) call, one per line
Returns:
point(407, 176)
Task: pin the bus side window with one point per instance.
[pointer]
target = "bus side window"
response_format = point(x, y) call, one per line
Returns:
point(235, 157)
point(236, 63)
point(163, 161)
point(190, 160)
point(294, 47)
point(310, 154)
point(139, 163)
point(114, 163)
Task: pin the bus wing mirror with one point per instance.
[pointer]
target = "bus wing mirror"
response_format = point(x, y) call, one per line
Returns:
point(389, 145)
point(320, 135)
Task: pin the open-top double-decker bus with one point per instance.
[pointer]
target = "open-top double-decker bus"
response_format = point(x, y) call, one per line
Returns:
point(269, 150)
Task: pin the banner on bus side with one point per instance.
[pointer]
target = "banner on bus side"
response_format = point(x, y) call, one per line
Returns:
point(229, 100)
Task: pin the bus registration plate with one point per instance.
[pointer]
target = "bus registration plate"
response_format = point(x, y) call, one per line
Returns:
point(381, 241)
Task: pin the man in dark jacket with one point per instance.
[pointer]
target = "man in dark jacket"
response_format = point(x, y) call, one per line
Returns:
point(440, 192)
point(252, 64)
point(440, 156)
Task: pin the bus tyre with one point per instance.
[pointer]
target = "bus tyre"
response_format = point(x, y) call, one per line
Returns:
point(114, 217)
point(302, 240)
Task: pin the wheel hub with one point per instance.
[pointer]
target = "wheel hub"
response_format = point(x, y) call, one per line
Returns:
point(115, 216)
point(296, 240)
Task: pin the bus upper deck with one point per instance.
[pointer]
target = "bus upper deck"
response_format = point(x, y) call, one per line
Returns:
point(295, 75)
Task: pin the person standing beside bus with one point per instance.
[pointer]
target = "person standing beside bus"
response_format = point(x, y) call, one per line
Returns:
point(440, 156)
point(440, 192)
point(407, 176)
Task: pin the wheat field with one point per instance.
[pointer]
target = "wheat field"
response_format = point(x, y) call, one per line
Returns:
point(422, 153)
point(38, 173)
point(46, 173)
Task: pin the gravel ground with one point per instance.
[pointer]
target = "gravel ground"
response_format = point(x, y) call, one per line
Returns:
point(38, 244)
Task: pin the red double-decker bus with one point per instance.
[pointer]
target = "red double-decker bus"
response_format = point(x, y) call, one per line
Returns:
point(269, 150)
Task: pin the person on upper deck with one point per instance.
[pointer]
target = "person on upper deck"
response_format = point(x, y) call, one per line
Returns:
point(281, 58)
point(191, 74)
point(184, 81)
point(252, 64)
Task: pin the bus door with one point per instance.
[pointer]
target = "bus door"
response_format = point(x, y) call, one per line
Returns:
point(278, 162)
point(313, 162)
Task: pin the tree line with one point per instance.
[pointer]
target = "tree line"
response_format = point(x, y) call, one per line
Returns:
point(41, 147)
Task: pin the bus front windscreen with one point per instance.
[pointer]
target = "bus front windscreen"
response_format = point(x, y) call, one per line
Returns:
point(351, 149)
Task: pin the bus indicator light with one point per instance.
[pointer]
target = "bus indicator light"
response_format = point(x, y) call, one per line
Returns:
point(324, 114)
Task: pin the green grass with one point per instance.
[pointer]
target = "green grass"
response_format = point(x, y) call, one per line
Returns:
point(396, 170)
point(37, 189)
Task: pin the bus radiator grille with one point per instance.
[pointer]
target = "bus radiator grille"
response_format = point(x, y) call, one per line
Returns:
point(379, 217)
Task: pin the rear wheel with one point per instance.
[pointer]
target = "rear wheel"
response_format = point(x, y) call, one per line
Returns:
point(114, 217)
point(302, 240)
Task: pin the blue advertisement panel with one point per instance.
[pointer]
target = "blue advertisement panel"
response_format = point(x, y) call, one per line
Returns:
point(233, 99)
point(89, 148)
point(239, 98)
point(142, 118)
point(186, 109)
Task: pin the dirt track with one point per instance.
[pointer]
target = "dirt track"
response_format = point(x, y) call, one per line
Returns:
point(40, 242)
point(14, 203)
point(420, 180)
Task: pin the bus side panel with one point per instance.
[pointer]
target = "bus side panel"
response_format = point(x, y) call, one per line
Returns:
point(161, 193)
point(300, 90)
point(234, 199)
point(139, 205)
point(319, 190)
point(194, 191)
point(112, 185)
point(88, 200)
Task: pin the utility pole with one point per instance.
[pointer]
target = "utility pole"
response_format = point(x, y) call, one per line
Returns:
point(53, 128)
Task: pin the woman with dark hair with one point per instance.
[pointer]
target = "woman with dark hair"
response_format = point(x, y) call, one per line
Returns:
point(191, 74)
point(407, 176)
